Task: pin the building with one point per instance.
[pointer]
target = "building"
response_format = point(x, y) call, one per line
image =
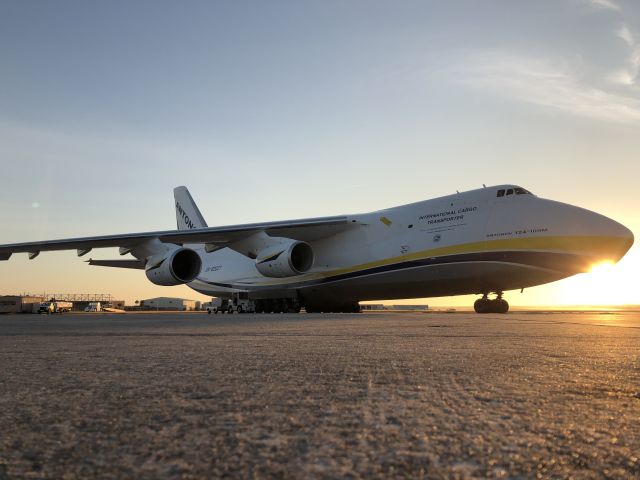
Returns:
point(409, 307)
point(19, 303)
point(168, 303)
point(80, 305)
point(372, 306)
point(380, 306)
point(81, 300)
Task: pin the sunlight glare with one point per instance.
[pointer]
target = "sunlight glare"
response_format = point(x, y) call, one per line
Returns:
point(606, 283)
point(602, 268)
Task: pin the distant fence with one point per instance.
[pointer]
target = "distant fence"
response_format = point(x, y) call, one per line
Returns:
point(74, 297)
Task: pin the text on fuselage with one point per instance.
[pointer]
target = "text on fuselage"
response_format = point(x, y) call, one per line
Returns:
point(447, 215)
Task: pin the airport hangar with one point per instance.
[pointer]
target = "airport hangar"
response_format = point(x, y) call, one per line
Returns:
point(170, 303)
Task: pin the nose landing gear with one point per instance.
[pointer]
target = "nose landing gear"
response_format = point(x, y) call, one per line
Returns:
point(485, 305)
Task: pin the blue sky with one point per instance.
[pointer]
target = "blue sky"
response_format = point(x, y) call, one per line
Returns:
point(273, 110)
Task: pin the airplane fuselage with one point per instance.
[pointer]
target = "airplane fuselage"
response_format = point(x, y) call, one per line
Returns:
point(487, 240)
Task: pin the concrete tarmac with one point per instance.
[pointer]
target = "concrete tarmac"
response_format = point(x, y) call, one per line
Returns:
point(375, 395)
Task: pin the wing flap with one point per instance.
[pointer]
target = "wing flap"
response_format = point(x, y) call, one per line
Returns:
point(137, 264)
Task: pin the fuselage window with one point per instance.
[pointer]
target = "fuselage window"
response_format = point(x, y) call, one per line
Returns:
point(510, 191)
point(500, 193)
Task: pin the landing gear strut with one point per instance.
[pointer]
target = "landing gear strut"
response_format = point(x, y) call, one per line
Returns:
point(485, 305)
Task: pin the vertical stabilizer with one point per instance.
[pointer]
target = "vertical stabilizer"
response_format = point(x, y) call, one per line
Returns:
point(187, 214)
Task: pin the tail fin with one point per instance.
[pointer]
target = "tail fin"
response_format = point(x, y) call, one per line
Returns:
point(187, 214)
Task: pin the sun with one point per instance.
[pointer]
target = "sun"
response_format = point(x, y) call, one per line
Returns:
point(603, 269)
point(606, 283)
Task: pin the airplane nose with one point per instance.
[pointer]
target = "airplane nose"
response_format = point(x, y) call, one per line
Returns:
point(592, 236)
point(612, 240)
point(626, 235)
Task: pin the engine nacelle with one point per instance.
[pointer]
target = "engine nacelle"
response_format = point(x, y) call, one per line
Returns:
point(285, 259)
point(177, 267)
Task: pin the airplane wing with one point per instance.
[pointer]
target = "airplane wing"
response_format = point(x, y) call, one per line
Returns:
point(213, 237)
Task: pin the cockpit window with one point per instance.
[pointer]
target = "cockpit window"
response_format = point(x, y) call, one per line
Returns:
point(514, 190)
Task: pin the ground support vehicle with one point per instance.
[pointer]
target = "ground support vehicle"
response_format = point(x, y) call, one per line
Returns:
point(93, 307)
point(54, 306)
point(238, 303)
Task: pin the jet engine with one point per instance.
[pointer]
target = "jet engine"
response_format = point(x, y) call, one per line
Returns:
point(285, 259)
point(174, 268)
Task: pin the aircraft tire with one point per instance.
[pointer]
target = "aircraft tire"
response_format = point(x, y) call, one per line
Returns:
point(481, 306)
point(269, 306)
point(503, 306)
point(498, 305)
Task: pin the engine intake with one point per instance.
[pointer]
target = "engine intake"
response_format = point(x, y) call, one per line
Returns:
point(285, 259)
point(176, 268)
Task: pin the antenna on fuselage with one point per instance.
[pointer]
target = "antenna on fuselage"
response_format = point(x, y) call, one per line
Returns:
point(484, 185)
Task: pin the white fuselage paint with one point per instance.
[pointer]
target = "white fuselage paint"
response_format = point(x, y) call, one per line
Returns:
point(471, 242)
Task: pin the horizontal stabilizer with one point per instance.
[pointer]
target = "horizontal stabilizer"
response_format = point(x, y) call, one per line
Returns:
point(137, 264)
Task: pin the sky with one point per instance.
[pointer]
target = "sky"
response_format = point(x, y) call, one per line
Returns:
point(276, 110)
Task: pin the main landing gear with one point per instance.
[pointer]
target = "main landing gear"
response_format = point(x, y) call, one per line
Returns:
point(485, 305)
point(277, 305)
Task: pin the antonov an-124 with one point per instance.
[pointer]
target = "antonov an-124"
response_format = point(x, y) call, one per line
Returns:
point(483, 242)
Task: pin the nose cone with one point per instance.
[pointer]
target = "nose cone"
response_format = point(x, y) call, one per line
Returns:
point(622, 240)
point(625, 237)
point(606, 239)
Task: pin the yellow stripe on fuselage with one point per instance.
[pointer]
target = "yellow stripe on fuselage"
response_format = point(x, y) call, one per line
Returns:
point(602, 248)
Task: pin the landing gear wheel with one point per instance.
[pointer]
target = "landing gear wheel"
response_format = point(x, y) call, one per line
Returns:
point(268, 306)
point(259, 306)
point(485, 305)
point(481, 305)
point(503, 306)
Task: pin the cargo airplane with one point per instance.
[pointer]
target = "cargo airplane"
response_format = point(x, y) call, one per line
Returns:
point(483, 241)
